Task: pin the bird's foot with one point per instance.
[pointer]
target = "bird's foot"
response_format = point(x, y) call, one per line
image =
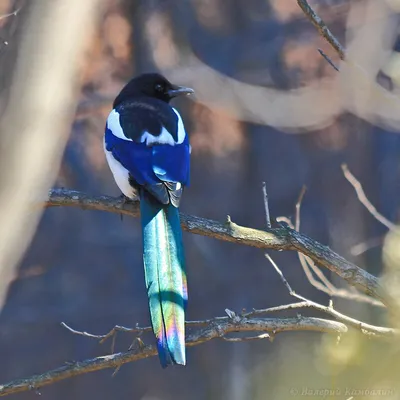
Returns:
point(124, 199)
point(128, 200)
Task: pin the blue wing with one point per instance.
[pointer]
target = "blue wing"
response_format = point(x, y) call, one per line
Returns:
point(172, 163)
point(161, 169)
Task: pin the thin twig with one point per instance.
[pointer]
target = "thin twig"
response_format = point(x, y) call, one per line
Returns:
point(308, 265)
point(279, 272)
point(266, 205)
point(81, 333)
point(298, 207)
point(329, 61)
point(113, 331)
point(323, 30)
point(14, 13)
point(306, 262)
point(268, 225)
point(369, 244)
point(282, 238)
point(326, 286)
point(361, 326)
point(365, 202)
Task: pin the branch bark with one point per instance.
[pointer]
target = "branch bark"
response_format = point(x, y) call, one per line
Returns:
point(322, 28)
point(215, 328)
point(282, 238)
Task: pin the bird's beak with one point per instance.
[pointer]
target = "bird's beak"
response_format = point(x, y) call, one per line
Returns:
point(179, 90)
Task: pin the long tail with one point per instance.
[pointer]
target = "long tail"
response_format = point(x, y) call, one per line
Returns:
point(164, 268)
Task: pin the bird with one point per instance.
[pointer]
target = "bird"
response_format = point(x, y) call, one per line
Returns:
point(148, 152)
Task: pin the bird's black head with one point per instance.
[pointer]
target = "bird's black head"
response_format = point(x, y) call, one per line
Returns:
point(151, 85)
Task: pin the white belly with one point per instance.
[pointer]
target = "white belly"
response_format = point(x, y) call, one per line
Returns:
point(121, 175)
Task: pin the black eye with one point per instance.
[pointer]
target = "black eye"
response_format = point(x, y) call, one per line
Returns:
point(159, 88)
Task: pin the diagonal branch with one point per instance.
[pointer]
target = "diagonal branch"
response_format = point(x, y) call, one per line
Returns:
point(214, 329)
point(282, 238)
point(323, 30)
point(324, 284)
point(14, 13)
point(365, 201)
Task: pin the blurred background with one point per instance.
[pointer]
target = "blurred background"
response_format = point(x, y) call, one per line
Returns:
point(267, 108)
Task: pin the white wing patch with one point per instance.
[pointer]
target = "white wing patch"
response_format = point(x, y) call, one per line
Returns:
point(163, 138)
point(115, 127)
point(121, 175)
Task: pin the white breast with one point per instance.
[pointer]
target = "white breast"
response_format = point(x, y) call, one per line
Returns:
point(121, 175)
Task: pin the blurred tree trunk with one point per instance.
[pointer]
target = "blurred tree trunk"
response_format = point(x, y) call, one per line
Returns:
point(38, 116)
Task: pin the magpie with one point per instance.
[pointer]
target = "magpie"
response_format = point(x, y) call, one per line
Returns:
point(148, 152)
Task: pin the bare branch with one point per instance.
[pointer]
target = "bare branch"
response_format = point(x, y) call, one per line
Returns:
point(14, 13)
point(282, 238)
point(306, 263)
point(298, 207)
point(365, 202)
point(328, 60)
point(279, 272)
point(325, 285)
point(368, 244)
point(363, 327)
point(113, 331)
point(214, 329)
point(266, 205)
point(85, 334)
point(323, 30)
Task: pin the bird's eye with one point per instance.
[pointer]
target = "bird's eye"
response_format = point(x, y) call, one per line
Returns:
point(159, 88)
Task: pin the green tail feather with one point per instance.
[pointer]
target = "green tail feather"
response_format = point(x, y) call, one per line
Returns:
point(164, 267)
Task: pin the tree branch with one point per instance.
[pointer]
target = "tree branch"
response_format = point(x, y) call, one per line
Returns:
point(362, 197)
point(324, 284)
point(214, 328)
point(282, 238)
point(323, 30)
point(366, 329)
point(14, 13)
point(328, 60)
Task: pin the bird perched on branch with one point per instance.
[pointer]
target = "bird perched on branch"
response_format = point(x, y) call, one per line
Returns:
point(148, 152)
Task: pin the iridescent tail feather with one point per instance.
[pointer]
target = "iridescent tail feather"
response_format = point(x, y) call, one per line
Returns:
point(164, 267)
